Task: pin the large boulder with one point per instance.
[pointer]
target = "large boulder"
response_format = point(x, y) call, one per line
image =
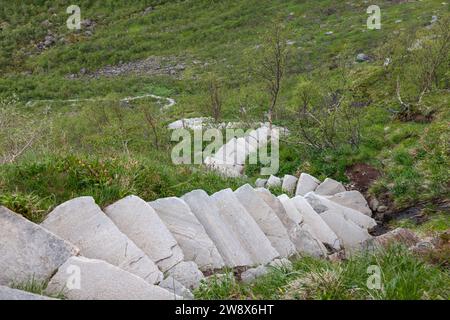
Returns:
point(352, 236)
point(352, 199)
point(14, 294)
point(206, 211)
point(139, 222)
point(187, 273)
point(189, 233)
point(329, 187)
point(289, 183)
point(244, 227)
point(305, 184)
point(82, 222)
point(320, 229)
point(80, 278)
point(322, 204)
point(267, 220)
point(28, 251)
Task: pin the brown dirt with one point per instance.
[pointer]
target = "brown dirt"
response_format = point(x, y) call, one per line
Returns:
point(362, 176)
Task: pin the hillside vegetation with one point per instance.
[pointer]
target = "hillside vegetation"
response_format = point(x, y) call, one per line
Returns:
point(55, 150)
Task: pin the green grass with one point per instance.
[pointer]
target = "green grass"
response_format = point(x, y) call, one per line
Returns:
point(404, 276)
point(412, 157)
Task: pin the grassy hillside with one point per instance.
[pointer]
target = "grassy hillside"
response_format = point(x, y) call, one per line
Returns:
point(53, 151)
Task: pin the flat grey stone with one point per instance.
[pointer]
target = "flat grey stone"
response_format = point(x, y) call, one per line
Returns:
point(206, 211)
point(352, 199)
point(273, 182)
point(176, 288)
point(189, 233)
point(267, 220)
point(329, 187)
point(244, 227)
point(140, 223)
point(352, 236)
point(15, 294)
point(321, 230)
point(187, 273)
point(253, 273)
point(80, 278)
point(305, 184)
point(322, 204)
point(28, 251)
point(289, 183)
point(260, 183)
point(82, 222)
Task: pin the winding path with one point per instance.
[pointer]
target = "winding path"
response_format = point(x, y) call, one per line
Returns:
point(170, 102)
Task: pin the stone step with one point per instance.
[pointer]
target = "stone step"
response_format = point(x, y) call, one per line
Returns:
point(28, 251)
point(189, 233)
point(305, 184)
point(300, 234)
point(80, 278)
point(140, 223)
point(206, 211)
point(244, 227)
point(321, 230)
point(322, 204)
point(267, 220)
point(351, 235)
point(82, 222)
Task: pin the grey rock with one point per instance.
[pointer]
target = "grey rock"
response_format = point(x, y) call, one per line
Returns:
point(15, 294)
point(267, 220)
point(260, 183)
point(352, 199)
point(305, 184)
point(273, 182)
point(206, 211)
point(80, 278)
point(28, 251)
point(352, 236)
point(282, 263)
point(253, 273)
point(245, 229)
point(187, 273)
point(362, 57)
point(289, 183)
point(329, 187)
point(197, 246)
point(322, 204)
point(81, 222)
point(290, 209)
point(320, 228)
point(140, 223)
point(176, 288)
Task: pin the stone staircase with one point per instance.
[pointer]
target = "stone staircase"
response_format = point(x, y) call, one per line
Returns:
point(163, 249)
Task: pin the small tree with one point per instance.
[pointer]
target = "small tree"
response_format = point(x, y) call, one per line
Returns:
point(271, 66)
point(215, 105)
